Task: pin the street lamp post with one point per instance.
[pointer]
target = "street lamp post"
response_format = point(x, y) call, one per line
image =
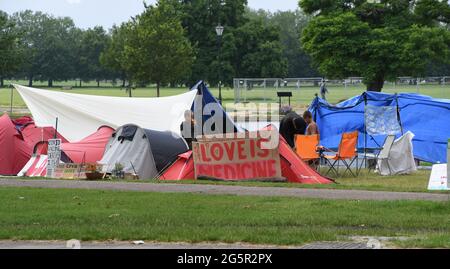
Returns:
point(219, 32)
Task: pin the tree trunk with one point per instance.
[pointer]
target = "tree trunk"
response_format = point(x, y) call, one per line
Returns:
point(50, 83)
point(98, 83)
point(157, 88)
point(80, 82)
point(2, 82)
point(123, 83)
point(376, 85)
point(30, 81)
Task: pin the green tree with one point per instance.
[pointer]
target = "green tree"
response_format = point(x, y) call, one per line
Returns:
point(378, 40)
point(157, 49)
point(113, 57)
point(29, 24)
point(200, 17)
point(10, 53)
point(259, 52)
point(290, 25)
point(93, 42)
point(48, 45)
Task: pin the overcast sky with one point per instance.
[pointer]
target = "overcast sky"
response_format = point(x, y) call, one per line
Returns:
point(88, 13)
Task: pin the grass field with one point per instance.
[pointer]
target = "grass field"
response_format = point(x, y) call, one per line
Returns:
point(42, 214)
point(301, 98)
point(417, 182)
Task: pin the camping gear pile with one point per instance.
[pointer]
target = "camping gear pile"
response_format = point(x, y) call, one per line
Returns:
point(140, 140)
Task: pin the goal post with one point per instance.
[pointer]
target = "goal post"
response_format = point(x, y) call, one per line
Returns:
point(262, 89)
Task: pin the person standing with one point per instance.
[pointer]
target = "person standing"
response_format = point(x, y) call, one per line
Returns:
point(312, 128)
point(188, 128)
point(323, 89)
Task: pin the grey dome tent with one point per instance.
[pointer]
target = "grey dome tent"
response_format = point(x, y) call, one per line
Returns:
point(144, 152)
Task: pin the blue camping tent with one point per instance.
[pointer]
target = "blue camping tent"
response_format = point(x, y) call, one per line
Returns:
point(208, 98)
point(426, 117)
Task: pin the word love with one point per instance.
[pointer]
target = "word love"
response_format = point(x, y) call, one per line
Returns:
point(229, 151)
point(236, 159)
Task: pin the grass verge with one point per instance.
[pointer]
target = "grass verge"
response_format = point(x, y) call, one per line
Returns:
point(44, 214)
point(417, 182)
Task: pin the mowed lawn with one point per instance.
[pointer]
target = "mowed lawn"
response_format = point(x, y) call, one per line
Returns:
point(301, 98)
point(43, 214)
point(416, 182)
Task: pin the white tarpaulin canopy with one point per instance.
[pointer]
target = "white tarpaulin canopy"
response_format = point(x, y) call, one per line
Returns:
point(81, 115)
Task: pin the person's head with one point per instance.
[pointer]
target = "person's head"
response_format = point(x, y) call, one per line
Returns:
point(308, 117)
point(299, 125)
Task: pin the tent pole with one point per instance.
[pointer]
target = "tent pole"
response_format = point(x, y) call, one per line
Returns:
point(316, 100)
point(365, 131)
point(399, 117)
point(12, 95)
point(56, 129)
point(132, 166)
point(83, 163)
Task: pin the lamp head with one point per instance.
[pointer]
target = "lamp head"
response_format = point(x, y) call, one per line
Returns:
point(219, 30)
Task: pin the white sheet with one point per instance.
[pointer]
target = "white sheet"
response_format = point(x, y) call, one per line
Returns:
point(401, 158)
point(81, 115)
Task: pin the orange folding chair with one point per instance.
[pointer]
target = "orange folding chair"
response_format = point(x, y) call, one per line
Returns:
point(306, 147)
point(347, 153)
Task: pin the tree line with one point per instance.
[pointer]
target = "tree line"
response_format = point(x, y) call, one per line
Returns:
point(174, 42)
point(378, 40)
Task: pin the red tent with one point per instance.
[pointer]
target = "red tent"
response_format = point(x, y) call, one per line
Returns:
point(41, 148)
point(22, 122)
point(296, 170)
point(14, 151)
point(292, 168)
point(182, 169)
point(90, 149)
point(34, 135)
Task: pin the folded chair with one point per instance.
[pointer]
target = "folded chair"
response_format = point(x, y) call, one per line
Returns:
point(347, 153)
point(306, 147)
point(384, 152)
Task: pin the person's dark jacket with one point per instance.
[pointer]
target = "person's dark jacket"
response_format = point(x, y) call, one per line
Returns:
point(288, 129)
point(188, 132)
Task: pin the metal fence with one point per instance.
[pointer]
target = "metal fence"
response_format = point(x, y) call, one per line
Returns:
point(262, 89)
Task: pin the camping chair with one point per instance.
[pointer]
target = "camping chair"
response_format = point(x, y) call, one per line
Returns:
point(384, 152)
point(347, 151)
point(306, 147)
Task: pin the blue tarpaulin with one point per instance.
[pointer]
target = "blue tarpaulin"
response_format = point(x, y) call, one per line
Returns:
point(428, 118)
point(208, 98)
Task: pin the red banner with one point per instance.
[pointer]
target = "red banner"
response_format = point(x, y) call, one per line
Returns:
point(236, 159)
